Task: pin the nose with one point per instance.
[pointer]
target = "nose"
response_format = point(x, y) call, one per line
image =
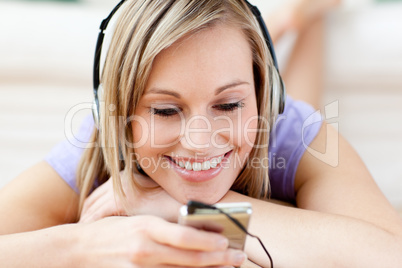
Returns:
point(197, 134)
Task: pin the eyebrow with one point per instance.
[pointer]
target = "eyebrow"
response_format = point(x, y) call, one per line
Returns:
point(164, 92)
point(178, 96)
point(234, 84)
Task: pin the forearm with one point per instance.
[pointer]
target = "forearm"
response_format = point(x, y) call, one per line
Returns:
point(296, 237)
point(51, 247)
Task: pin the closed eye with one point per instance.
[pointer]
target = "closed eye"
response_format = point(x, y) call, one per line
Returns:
point(229, 107)
point(167, 112)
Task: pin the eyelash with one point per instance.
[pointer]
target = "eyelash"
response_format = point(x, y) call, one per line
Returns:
point(226, 107)
point(229, 107)
point(164, 112)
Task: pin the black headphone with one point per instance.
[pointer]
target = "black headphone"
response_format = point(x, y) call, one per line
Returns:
point(277, 91)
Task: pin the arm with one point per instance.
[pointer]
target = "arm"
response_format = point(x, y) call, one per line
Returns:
point(103, 202)
point(36, 199)
point(117, 242)
point(39, 199)
point(343, 219)
point(43, 248)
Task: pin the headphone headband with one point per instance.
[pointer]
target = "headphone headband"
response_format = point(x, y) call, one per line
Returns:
point(280, 96)
point(99, 43)
point(257, 14)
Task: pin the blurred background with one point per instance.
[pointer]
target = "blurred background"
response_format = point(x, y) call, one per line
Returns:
point(46, 55)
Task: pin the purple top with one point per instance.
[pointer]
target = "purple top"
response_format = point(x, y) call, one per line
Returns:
point(293, 132)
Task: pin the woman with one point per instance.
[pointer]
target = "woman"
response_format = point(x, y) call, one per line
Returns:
point(186, 84)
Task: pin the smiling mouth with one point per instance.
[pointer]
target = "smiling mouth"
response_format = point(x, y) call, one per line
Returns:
point(213, 163)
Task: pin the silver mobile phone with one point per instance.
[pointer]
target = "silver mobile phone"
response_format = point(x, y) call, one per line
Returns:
point(213, 220)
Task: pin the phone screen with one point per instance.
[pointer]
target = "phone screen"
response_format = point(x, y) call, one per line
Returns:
point(214, 221)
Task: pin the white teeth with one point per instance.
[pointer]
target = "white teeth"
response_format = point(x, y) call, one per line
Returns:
point(188, 166)
point(206, 165)
point(197, 166)
point(215, 162)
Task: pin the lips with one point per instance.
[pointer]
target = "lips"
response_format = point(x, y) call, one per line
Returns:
point(196, 170)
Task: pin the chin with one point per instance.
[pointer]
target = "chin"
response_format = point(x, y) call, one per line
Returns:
point(208, 193)
point(204, 198)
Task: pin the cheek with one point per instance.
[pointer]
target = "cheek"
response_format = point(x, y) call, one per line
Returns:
point(240, 130)
point(155, 133)
point(141, 132)
point(250, 129)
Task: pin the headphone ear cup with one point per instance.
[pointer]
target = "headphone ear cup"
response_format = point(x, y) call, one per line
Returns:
point(95, 112)
point(96, 106)
point(282, 95)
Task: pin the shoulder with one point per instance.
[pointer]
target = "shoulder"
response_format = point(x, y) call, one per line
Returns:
point(291, 134)
point(65, 156)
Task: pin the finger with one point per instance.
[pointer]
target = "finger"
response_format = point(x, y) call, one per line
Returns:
point(103, 206)
point(101, 209)
point(92, 207)
point(180, 257)
point(175, 266)
point(94, 196)
point(187, 237)
point(144, 254)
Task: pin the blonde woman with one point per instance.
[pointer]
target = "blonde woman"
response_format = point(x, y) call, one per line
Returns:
point(187, 84)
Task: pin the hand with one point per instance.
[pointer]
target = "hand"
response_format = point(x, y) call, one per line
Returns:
point(149, 241)
point(152, 200)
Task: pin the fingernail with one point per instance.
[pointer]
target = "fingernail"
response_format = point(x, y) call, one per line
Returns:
point(239, 258)
point(223, 243)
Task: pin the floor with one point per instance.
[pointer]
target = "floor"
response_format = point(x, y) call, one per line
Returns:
point(45, 77)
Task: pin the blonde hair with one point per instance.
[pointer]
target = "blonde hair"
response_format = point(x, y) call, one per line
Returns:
point(144, 29)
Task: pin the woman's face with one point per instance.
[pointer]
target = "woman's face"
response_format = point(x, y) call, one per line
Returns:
point(196, 122)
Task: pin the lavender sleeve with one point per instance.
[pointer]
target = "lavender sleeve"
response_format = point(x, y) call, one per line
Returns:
point(65, 156)
point(292, 133)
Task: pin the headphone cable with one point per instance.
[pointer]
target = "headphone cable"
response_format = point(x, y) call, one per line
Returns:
point(196, 204)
